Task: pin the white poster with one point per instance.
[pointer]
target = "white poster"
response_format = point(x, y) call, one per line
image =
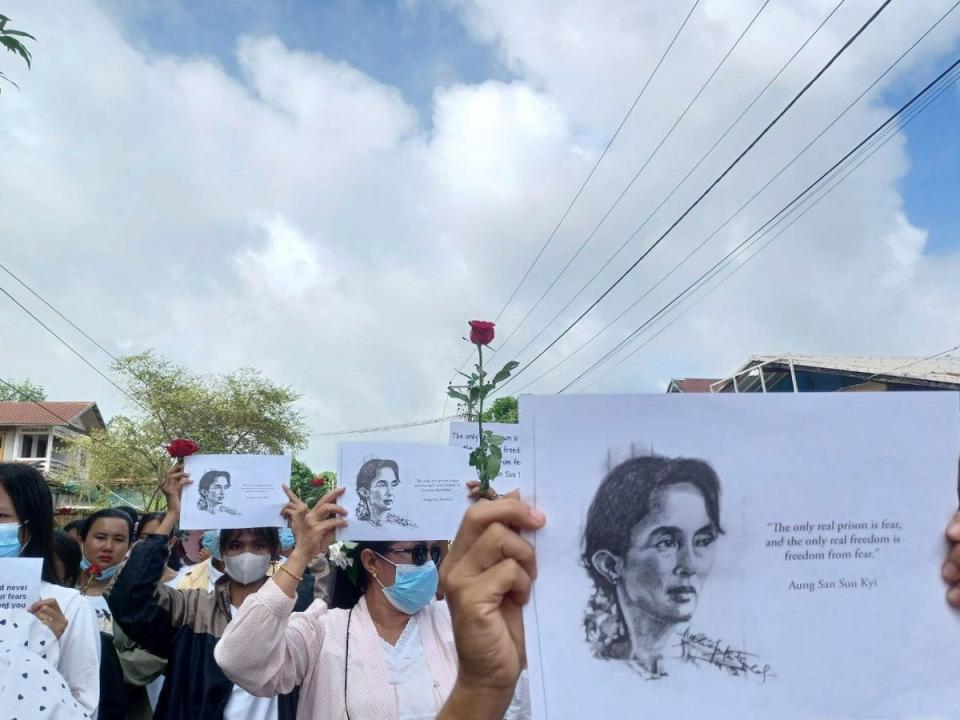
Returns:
point(234, 491)
point(743, 556)
point(402, 491)
point(465, 434)
point(19, 582)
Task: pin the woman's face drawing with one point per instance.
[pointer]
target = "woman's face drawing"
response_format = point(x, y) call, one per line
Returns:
point(382, 490)
point(216, 491)
point(671, 553)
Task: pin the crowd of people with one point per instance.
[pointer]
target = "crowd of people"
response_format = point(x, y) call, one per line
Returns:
point(137, 620)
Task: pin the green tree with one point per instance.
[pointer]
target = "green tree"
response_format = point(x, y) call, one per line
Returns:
point(25, 390)
point(238, 413)
point(303, 481)
point(503, 410)
point(10, 39)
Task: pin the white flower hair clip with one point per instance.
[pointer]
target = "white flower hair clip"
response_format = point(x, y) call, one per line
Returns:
point(340, 554)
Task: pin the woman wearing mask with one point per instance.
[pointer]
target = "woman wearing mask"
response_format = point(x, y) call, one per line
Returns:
point(26, 530)
point(184, 626)
point(384, 651)
point(105, 538)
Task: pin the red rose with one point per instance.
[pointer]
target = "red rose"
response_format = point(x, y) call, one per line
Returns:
point(181, 448)
point(481, 332)
point(317, 481)
point(95, 570)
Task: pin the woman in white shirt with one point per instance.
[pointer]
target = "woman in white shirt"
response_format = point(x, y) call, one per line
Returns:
point(26, 530)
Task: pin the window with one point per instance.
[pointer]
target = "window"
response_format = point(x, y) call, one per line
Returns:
point(34, 444)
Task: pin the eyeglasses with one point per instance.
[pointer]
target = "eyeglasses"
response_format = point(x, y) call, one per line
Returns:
point(419, 553)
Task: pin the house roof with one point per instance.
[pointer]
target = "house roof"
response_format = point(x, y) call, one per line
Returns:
point(691, 385)
point(13, 412)
point(941, 371)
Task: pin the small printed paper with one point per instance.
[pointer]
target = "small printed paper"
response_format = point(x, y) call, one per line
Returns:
point(234, 491)
point(403, 491)
point(19, 582)
point(733, 556)
point(464, 434)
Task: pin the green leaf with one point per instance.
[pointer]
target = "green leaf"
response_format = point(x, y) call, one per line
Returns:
point(477, 458)
point(495, 440)
point(19, 33)
point(457, 395)
point(505, 372)
point(474, 395)
point(493, 462)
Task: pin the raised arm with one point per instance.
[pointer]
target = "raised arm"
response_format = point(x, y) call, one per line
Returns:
point(147, 610)
point(268, 649)
point(488, 576)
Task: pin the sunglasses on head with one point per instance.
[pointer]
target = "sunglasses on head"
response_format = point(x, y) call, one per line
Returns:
point(419, 553)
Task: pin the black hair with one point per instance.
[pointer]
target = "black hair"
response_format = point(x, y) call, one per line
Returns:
point(210, 476)
point(148, 518)
point(103, 514)
point(346, 592)
point(74, 525)
point(33, 504)
point(132, 512)
point(365, 477)
point(68, 552)
point(625, 497)
point(270, 535)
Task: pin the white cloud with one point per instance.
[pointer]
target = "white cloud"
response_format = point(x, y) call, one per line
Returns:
point(303, 219)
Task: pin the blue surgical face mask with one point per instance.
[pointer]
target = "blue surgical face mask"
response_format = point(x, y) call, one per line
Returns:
point(105, 574)
point(413, 588)
point(211, 543)
point(10, 540)
point(286, 539)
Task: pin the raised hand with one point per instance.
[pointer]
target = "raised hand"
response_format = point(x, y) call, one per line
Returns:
point(488, 577)
point(314, 529)
point(173, 485)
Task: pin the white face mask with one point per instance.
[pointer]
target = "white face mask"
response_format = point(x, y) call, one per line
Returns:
point(246, 568)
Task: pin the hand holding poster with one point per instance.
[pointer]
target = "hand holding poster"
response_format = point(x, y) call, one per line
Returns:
point(742, 556)
point(234, 491)
point(19, 582)
point(402, 491)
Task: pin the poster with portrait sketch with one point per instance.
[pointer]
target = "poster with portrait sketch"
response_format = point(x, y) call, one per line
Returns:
point(742, 556)
point(234, 491)
point(402, 491)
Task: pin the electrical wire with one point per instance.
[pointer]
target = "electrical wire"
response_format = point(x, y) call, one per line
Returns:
point(710, 187)
point(384, 428)
point(767, 184)
point(676, 187)
point(788, 208)
point(637, 175)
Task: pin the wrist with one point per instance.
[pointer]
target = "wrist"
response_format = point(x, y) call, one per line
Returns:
point(298, 558)
point(476, 701)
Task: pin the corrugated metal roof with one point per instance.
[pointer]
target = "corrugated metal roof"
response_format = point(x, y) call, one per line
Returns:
point(693, 385)
point(945, 369)
point(14, 412)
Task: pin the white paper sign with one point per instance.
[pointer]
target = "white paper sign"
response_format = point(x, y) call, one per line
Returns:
point(464, 434)
point(403, 491)
point(234, 491)
point(19, 582)
point(743, 556)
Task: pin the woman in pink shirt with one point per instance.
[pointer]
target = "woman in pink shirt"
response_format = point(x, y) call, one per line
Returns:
point(384, 651)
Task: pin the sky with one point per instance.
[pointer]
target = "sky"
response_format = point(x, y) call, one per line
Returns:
point(328, 191)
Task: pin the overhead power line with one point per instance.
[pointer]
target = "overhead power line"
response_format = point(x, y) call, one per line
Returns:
point(637, 175)
point(885, 127)
point(677, 187)
point(711, 186)
point(749, 201)
point(385, 428)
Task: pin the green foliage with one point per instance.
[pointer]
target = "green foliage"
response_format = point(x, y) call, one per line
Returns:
point(238, 413)
point(487, 456)
point(503, 410)
point(25, 390)
point(302, 482)
point(10, 39)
